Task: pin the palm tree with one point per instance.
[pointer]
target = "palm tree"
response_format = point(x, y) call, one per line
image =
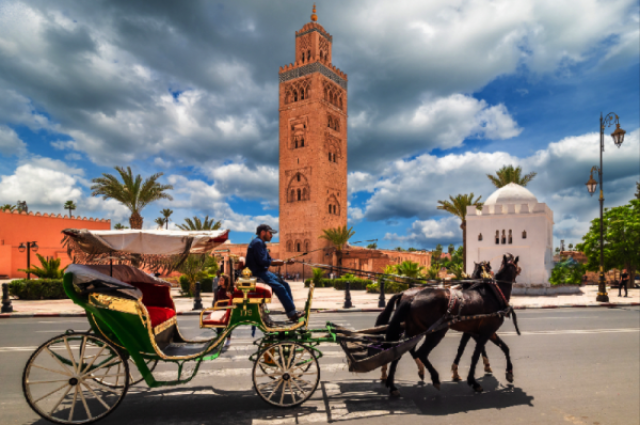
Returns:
point(160, 222)
point(410, 269)
point(338, 237)
point(133, 193)
point(508, 174)
point(70, 205)
point(197, 267)
point(8, 207)
point(120, 226)
point(458, 207)
point(166, 213)
point(50, 268)
point(196, 224)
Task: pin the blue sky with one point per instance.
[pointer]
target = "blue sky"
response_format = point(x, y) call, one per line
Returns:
point(440, 94)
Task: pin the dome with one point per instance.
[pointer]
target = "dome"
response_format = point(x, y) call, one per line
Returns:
point(512, 194)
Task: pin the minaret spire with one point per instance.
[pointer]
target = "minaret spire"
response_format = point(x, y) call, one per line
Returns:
point(314, 17)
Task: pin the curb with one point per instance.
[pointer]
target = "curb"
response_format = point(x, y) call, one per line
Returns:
point(322, 310)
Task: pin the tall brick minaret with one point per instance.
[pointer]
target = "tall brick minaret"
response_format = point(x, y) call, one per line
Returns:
point(313, 145)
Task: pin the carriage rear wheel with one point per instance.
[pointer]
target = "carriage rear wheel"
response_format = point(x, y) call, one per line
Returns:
point(286, 374)
point(62, 381)
point(135, 377)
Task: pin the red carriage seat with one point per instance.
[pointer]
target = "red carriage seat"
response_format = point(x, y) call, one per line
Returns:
point(157, 300)
point(220, 318)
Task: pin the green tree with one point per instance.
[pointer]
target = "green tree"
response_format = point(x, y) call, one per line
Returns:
point(120, 226)
point(410, 269)
point(372, 246)
point(132, 192)
point(570, 247)
point(50, 268)
point(197, 267)
point(197, 224)
point(160, 222)
point(390, 269)
point(451, 249)
point(436, 254)
point(458, 207)
point(70, 205)
point(338, 237)
point(399, 249)
point(166, 213)
point(317, 275)
point(638, 190)
point(557, 250)
point(411, 249)
point(8, 207)
point(621, 239)
point(508, 174)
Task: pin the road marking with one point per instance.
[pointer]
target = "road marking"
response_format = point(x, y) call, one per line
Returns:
point(577, 332)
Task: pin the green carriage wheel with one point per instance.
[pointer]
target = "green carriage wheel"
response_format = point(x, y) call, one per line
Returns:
point(286, 374)
point(61, 381)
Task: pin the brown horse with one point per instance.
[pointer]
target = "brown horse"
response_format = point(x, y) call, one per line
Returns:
point(434, 308)
point(481, 270)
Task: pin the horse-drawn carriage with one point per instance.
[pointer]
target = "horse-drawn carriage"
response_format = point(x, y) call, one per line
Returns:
point(81, 377)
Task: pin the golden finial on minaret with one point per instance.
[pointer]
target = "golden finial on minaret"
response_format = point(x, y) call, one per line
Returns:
point(314, 17)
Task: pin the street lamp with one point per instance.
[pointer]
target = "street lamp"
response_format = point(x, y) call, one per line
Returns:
point(30, 246)
point(618, 138)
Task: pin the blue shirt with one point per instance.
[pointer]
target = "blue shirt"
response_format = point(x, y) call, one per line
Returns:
point(258, 258)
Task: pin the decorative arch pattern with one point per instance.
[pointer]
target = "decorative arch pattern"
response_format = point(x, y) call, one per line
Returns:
point(289, 246)
point(297, 91)
point(298, 189)
point(298, 135)
point(324, 50)
point(333, 122)
point(332, 205)
point(333, 94)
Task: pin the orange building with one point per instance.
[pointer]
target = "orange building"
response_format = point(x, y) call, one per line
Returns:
point(45, 230)
point(313, 145)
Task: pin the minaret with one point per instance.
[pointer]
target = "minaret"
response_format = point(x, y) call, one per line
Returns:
point(313, 144)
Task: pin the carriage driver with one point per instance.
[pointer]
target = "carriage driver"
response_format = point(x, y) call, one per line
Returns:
point(259, 261)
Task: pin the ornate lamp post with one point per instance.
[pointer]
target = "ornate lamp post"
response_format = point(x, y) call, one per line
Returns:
point(618, 138)
point(30, 246)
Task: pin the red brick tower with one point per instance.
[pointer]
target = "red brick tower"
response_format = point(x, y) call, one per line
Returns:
point(313, 145)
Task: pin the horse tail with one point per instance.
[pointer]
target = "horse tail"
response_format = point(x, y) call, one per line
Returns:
point(383, 318)
point(515, 320)
point(395, 324)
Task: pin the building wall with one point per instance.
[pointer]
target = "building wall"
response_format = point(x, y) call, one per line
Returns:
point(45, 229)
point(313, 147)
point(535, 251)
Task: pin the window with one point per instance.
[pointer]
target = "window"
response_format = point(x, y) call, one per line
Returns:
point(504, 237)
point(329, 156)
point(293, 196)
point(308, 55)
point(304, 194)
point(302, 142)
point(296, 144)
point(298, 177)
point(510, 237)
point(329, 209)
point(299, 195)
point(524, 234)
point(334, 209)
point(306, 246)
point(289, 246)
point(298, 247)
point(480, 237)
point(497, 237)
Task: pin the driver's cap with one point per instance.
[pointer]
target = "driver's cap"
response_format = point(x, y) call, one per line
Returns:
point(265, 227)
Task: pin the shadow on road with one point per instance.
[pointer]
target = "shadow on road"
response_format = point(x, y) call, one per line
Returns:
point(333, 401)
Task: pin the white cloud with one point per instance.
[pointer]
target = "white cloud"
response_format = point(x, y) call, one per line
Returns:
point(428, 233)
point(237, 179)
point(355, 215)
point(10, 143)
point(39, 186)
point(412, 188)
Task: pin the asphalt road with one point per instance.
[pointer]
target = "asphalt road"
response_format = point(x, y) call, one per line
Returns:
point(573, 366)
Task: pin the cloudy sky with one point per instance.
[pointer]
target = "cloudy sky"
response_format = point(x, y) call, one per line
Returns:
point(441, 93)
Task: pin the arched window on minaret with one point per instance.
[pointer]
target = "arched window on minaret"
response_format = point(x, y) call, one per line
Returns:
point(307, 244)
point(302, 94)
point(289, 246)
point(293, 196)
point(299, 195)
point(321, 55)
point(295, 95)
point(330, 209)
point(296, 144)
point(304, 194)
point(298, 246)
point(341, 102)
point(308, 55)
point(329, 156)
point(302, 142)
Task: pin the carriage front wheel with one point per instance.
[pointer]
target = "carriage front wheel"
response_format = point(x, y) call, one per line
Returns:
point(286, 374)
point(63, 379)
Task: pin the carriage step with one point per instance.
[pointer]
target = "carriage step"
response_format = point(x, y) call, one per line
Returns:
point(183, 349)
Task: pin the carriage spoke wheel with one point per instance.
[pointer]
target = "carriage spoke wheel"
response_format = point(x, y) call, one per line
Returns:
point(135, 377)
point(64, 379)
point(286, 374)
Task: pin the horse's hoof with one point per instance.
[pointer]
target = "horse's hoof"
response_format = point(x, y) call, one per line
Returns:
point(395, 393)
point(421, 375)
point(437, 386)
point(477, 388)
point(487, 369)
point(456, 379)
point(510, 376)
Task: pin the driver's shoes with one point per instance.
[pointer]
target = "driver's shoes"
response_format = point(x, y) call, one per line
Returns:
point(296, 316)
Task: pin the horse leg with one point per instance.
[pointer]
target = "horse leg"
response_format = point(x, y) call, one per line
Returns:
point(414, 354)
point(505, 349)
point(384, 375)
point(485, 361)
point(390, 379)
point(454, 367)
point(430, 342)
point(474, 361)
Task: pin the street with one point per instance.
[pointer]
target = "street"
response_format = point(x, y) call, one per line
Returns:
point(572, 366)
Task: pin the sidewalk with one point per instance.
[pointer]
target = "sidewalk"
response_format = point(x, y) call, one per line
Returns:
point(331, 300)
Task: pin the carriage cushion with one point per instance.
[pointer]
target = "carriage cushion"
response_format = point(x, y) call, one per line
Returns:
point(217, 318)
point(154, 295)
point(262, 291)
point(160, 315)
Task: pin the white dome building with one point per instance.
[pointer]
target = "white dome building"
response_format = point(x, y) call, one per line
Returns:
point(512, 220)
